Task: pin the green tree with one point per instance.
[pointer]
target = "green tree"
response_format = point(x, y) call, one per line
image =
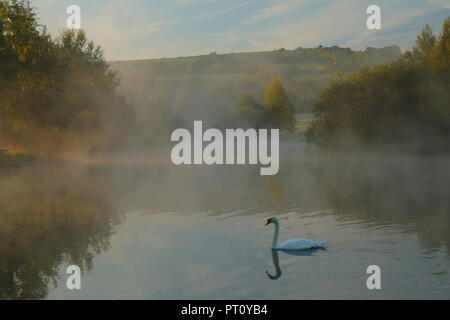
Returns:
point(248, 114)
point(403, 106)
point(54, 88)
point(441, 51)
point(277, 102)
point(26, 64)
point(247, 100)
point(424, 44)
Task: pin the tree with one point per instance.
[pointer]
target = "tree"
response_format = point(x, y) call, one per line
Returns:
point(440, 54)
point(27, 65)
point(247, 100)
point(403, 106)
point(424, 44)
point(54, 87)
point(429, 51)
point(248, 114)
point(277, 102)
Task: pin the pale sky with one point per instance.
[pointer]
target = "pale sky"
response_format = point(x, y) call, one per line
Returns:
point(142, 29)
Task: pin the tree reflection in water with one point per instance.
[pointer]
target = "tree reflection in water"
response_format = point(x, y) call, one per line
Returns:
point(50, 216)
point(55, 215)
point(409, 191)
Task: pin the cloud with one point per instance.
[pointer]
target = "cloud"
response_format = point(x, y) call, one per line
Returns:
point(150, 29)
point(336, 23)
point(389, 27)
point(440, 3)
point(183, 2)
point(275, 10)
point(224, 11)
point(123, 31)
point(311, 28)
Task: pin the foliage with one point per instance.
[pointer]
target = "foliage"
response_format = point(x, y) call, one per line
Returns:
point(297, 61)
point(51, 86)
point(404, 105)
point(47, 222)
point(277, 102)
point(277, 111)
point(303, 72)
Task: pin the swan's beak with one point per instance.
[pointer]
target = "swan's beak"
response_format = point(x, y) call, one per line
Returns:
point(267, 223)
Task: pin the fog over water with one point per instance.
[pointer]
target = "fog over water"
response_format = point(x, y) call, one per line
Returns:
point(150, 229)
point(142, 227)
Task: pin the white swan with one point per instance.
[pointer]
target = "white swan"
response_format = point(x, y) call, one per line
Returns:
point(292, 244)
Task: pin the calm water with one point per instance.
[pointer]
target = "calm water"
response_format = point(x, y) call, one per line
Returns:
point(153, 231)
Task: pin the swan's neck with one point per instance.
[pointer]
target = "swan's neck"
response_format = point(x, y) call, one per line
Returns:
point(275, 235)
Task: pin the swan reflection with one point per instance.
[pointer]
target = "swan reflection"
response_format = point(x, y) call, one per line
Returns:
point(276, 261)
point(276, 264)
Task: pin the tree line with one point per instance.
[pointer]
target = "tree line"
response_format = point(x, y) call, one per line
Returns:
point(403, 106)
point(300, 61)
point(53, 88)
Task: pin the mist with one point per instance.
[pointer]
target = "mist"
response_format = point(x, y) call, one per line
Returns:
point(364, 165)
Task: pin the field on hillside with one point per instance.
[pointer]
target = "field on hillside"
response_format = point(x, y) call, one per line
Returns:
point(226, 77)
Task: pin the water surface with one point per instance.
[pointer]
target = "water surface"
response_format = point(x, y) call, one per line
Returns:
point(163, 232)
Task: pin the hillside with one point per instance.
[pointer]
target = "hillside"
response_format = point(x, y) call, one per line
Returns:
point(176, 91)
point(300, 61)
point(302, 71)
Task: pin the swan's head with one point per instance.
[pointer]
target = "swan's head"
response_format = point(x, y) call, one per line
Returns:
point(271, 220)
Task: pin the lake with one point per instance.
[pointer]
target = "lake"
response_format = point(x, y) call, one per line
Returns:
point(151, 230)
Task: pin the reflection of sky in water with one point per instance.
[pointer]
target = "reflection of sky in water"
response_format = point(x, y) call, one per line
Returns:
point(201, 235)
point(196, 256)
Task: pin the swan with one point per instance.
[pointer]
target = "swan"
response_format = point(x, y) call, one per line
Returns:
point(292, 244)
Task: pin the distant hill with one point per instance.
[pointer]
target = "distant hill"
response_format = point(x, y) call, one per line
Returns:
point(207, 86)
point(300, 61)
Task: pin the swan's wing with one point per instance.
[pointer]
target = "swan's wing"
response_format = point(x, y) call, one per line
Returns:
point(299, 244)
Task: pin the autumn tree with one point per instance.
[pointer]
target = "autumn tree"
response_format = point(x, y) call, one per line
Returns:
point(277, 102)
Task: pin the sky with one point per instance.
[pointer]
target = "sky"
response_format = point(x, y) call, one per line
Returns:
point(147, 29)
